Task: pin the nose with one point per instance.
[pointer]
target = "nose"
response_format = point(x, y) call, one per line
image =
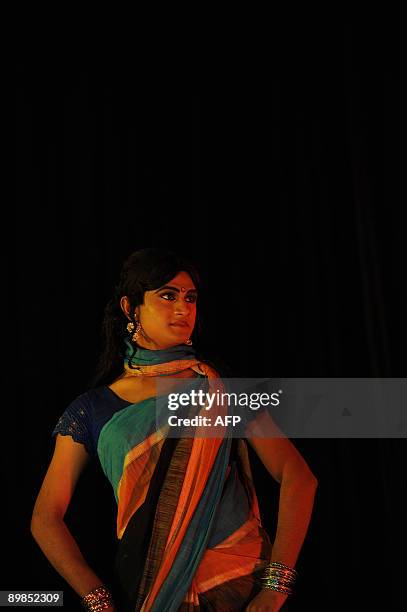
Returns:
point(181, 307)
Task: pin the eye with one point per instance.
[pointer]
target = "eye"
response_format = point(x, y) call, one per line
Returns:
point(190, 298)
point(168, 293)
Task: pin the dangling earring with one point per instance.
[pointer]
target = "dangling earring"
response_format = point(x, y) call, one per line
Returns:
point(189, 342)
point(130, 327)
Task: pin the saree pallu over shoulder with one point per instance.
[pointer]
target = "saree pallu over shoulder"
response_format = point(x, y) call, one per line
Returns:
point(207, 545)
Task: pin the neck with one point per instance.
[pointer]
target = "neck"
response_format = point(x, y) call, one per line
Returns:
point(153, 346)
point(144, 355)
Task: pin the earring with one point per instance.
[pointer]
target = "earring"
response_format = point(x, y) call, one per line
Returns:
point(130, 327)
point(189, 342)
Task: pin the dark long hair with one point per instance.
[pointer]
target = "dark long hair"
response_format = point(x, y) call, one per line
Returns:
point(144, 270)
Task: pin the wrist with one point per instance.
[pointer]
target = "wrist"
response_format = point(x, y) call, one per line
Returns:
point(98, 599)
point(279, 578)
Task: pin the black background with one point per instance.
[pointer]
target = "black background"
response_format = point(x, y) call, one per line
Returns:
point(280, 174)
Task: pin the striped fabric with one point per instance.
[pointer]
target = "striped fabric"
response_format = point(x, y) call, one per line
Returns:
point(205, 547)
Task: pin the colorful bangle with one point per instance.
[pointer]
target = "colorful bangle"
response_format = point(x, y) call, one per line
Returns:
point(279, 577)
point(98, 599)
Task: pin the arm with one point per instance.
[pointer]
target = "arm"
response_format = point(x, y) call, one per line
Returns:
point(47, 523)
point(297, 490)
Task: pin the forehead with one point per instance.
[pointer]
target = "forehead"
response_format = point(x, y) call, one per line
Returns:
point(182, 279)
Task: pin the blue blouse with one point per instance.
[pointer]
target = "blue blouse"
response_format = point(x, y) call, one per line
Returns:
point(85, 416)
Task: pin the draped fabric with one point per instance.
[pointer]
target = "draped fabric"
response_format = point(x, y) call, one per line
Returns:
point(188, 523)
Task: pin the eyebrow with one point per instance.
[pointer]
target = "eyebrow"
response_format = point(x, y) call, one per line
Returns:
point(176, 289)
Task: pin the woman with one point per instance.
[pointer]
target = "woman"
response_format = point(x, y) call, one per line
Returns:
point(188, 523)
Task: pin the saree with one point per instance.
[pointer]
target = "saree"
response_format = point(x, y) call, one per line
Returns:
point(189, 530)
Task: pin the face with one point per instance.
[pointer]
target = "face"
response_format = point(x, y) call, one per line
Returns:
point(168, 314)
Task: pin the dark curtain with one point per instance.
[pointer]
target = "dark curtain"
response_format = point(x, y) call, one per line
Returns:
point(281, 176)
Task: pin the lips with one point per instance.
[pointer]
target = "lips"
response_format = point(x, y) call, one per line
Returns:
point(180, 324)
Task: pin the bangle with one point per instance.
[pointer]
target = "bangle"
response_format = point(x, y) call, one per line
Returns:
point(98, 599)
point(279, 577)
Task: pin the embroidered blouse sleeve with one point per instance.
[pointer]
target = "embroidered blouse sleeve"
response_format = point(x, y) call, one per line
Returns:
point(76, 421)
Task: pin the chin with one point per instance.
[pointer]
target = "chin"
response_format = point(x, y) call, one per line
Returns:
point(180, 331)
